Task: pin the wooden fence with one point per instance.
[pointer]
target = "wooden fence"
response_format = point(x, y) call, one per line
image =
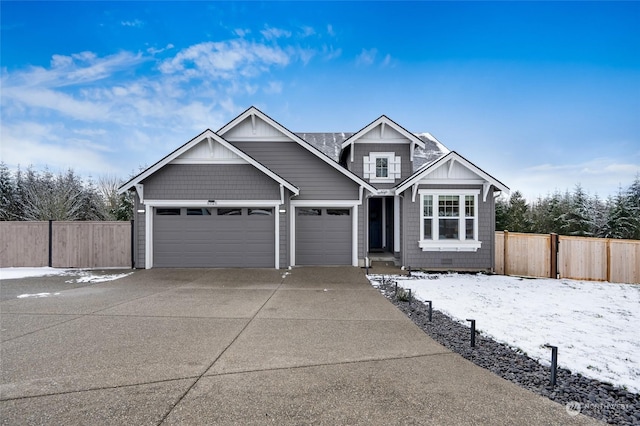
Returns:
point(65, 244)
point(581, 258)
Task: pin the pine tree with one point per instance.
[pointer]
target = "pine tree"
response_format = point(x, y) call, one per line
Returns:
point(517, 214)
point(577, 220)
point(7, 194)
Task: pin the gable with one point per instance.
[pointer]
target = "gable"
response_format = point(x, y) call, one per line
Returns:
point(382, 134)
point(453, 171)
point(208, 151)
point(254, 127)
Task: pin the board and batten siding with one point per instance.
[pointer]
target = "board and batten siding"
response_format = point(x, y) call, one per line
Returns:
point(210, 182)
point(364, 149)
point(316, 179)
point(416, 258)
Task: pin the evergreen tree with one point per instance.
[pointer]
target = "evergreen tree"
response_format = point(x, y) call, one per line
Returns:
point(7, 193)
point(577, 221)
point(517, 214)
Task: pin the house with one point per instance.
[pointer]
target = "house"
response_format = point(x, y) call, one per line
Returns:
point(255, 194)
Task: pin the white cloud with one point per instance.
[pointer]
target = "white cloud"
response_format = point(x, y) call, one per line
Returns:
point(329, 53)
point(330, 30)
point(602, 176)
point(135, 23)
point(274, 87)
point(307, 31)
point(241, 32)
point(387, 60)
point(367, 57)
point(274, 33)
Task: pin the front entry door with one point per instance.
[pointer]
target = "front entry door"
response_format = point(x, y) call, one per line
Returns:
point(375, 224)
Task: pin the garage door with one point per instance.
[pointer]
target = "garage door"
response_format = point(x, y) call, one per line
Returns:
point(323, 236)
point(214, 237)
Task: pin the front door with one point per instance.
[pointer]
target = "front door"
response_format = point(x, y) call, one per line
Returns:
point(375, 224)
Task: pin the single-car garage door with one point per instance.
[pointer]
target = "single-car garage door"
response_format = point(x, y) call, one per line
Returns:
point(214, 237)
point(323, 236)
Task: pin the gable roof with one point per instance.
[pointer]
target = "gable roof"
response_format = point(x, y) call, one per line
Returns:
point(192, 143)
point(451, 156)
point(255, 112)
point(384, 121)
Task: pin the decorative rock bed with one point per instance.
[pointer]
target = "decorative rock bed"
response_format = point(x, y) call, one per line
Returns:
point(593, 398)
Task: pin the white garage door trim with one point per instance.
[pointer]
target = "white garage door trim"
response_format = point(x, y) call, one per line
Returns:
point(150, 206)
point(353, 204)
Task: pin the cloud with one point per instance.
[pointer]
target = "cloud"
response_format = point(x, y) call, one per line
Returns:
point(135, 23)
point(225, 59)
point(330, 30)
point(329, 53)
point(241, 32)
point(387, 60)
point(275, 33)
point(307, 31)
point(602, 176)
point(367, 57)
point(274, 87)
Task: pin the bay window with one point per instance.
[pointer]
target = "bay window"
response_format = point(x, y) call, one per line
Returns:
point(449, 220)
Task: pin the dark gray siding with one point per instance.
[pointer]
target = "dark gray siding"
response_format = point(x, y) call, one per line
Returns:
point(210, 182)
point(316, 179)
point(416, 258)
point(364, 149)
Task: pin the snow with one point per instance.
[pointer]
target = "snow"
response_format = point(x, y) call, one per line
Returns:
point(593, 324)
point(83, 276)
point(36, 295)
point(15, 273)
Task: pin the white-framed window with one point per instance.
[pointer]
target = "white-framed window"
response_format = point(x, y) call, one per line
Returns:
point(382, 167)
point(449, 220)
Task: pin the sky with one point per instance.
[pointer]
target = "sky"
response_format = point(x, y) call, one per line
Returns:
point(541, 95)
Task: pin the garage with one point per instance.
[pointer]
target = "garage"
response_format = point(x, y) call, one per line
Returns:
point(214, 237)
point(323, 236)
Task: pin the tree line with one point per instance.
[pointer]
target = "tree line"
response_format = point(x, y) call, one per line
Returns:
point(42, 195)
point(574, 213)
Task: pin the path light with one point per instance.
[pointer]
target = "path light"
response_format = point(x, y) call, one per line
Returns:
point(473, 332)
point(410, 296)
point(554, 363)
point(430, 308)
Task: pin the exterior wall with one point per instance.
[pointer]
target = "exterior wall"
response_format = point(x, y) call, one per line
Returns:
point(316, 179)
point(416, 258)
point(139, 233)
point(364, 149)
point(210, 182)
point(285, 232)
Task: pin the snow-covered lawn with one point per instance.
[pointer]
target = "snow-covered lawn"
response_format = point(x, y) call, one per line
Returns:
point(596, 326)
point(14, 273)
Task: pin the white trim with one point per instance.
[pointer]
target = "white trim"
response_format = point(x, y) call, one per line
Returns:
point(277, 216)
point(354, 235)
point(426, 181)
point(207, 134)
point(353, 204)
point(212, 203)
point(472, 246)
point(208, 161)
point(325, 203)
point(140, 190)
point(253, 111)
point(387, 121)
point(461, 244)
point(148, 241)
point(425, 171)
point(396, 223)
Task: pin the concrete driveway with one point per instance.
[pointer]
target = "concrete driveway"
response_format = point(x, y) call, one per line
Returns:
point(218, 346)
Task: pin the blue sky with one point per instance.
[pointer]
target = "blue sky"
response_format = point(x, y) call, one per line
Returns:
point(542, 95)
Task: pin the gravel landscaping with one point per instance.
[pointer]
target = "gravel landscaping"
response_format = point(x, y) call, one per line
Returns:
point(580, 394)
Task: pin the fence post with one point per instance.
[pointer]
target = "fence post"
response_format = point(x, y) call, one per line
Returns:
point(553, 273)
point(505, 257)
point(50, 243)
point(608, 259)
point(133, 258)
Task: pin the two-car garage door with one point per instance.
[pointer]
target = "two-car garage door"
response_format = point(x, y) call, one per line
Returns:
point(214, 237)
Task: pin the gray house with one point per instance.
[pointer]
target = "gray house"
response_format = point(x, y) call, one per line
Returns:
point(255, 194)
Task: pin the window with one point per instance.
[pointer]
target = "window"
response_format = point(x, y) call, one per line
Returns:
point(309, 212)
point(381, 167)
point(449, 220)
point(260, 212)
point(198, 212)
point(229, 212)
point(338, 212)
point(167, 212)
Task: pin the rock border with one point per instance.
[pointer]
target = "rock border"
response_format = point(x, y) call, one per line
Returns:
point(579, 394)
